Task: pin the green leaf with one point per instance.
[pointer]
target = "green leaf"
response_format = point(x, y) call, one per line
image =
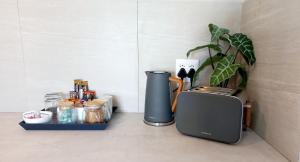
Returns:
point(225, 69)
point(211, 46)
point(216, 32)
point(244, 45)
point(225, 37)
point(206, 63)
point(244, 77)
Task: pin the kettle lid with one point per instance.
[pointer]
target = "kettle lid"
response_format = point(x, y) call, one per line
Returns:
point(157, 72)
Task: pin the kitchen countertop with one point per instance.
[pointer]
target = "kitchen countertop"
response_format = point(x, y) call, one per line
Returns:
point(127, 139)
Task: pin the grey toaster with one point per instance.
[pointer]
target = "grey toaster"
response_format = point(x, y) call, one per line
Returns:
point(211, 113)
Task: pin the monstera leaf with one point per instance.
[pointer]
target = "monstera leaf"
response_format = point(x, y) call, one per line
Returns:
point(216, 32)
point(225, 69)
point(206, 63)
point(211, 46)
point(244, 45)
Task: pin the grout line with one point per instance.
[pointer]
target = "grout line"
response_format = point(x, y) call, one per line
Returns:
point(20, 33)
point(22, 48)
point(138, 53)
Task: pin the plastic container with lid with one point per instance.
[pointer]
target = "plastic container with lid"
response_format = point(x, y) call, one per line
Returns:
point(66, 112)
point(52, 99)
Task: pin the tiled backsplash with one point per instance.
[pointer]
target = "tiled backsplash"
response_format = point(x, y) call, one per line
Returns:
point(44, 45)
point(274, 82)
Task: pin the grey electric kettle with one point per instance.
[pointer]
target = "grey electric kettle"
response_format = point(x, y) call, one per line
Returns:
point(158, 107)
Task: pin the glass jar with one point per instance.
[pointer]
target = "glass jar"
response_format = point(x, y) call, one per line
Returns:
point(65, 112)
point(94, 114)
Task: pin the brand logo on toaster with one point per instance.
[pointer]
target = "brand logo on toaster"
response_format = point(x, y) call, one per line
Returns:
point(206, 133)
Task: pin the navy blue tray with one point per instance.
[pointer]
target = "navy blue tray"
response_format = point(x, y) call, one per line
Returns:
point(53, 125)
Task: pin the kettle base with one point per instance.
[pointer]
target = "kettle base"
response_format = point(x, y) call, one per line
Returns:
point(159, 124)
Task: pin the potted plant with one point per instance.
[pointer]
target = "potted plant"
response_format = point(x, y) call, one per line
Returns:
point(224, 49)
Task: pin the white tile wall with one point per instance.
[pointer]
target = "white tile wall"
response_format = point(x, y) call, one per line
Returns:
point(94, 40)
point(169, 28)
point(63, 40)
point(59, 40)
point(12, 82)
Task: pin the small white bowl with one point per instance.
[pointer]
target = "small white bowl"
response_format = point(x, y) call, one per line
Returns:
point(31, 117)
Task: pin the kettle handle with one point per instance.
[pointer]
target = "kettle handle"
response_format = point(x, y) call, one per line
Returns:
point(180, 86)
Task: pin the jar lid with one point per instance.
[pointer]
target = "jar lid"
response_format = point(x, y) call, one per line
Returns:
point(77, 81)
point(78, 105)
point(89, 92)
point(64, 108)
point(65, 104)
point(84, 83)
point(95, 102)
